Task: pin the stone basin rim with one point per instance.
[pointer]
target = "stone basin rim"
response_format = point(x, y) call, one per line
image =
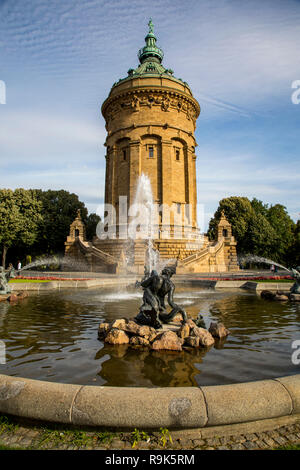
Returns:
point(150, 408)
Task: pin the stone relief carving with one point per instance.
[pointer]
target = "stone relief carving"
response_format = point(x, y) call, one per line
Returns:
point(166, 101)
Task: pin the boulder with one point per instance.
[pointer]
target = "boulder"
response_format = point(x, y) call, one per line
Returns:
point(191, 323)
point(168, 341)
point(120, 324)
point(13, 298)
point(295, 297)
point(205, 338)
point(281, 297)
point(192, 341)
point(267, 294)
point(103, 330)
point(184, 331)
point(116, 336)
point(22, 295)
point(218, 330)
point(147, 332)
point(132, 327)
point(139, 341)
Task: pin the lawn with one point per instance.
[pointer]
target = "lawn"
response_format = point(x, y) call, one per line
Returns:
point(278, 281)
point(27, 280)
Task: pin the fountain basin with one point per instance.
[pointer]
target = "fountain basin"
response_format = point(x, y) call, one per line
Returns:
point(150, 408)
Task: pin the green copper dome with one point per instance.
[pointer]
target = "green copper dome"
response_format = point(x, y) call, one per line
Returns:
point(150, 51)
point(150, 57)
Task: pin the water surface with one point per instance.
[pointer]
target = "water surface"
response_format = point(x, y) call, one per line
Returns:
point(53, 337)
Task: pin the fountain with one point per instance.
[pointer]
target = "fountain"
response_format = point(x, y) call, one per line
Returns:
point(144, 205)
point(156, 287)
point(4, 279)
point(295, 289)
point(294, 293)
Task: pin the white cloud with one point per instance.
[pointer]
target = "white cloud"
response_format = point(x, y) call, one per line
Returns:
point(32, 137)
point(239, 58)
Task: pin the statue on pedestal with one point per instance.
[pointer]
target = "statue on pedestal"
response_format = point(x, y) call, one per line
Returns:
point(156, 286)
point(295, 289)
point(4, 278)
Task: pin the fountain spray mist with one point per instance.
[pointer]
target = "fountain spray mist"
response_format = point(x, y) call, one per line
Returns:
point(259, 259)
point(144, 198)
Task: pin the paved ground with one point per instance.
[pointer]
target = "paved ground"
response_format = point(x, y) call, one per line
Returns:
point(17, 435)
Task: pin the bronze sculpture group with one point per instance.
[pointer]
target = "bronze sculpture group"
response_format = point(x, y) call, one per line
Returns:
point(4, 279)
point(295, 289)
point(156, 287)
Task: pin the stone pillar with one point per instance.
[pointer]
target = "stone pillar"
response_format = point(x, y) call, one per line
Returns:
point(191, 187)
point(166, 180)
point(134, 168)
point(113, 177)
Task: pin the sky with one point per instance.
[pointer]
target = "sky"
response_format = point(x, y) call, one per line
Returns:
point(58, 61)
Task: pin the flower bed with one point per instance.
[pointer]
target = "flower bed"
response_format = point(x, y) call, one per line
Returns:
point(50, 278)
point(248, 278)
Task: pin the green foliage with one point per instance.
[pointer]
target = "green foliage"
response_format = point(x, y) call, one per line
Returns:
point(258, 229)
point(91, 225)
point(137, 436)
point(165, 436)
point(20, 218)
point(105, 437)
point(7, 425)
point(59, 210)
point(39, 220)
point(294, 251)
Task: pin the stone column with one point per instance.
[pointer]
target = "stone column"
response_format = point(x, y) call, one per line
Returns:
point(113, 180)
point(193, 178)
point(166, 179)
point(134, 168)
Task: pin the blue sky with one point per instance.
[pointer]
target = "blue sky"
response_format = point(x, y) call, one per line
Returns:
point(60, 59)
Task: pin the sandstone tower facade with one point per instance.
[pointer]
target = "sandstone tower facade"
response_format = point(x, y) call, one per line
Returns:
point(150, 120)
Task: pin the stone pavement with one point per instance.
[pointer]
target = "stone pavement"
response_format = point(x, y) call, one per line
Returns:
point(40, 436)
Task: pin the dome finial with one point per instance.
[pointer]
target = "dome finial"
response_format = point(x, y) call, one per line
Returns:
point(150, 51)
point(151, 26)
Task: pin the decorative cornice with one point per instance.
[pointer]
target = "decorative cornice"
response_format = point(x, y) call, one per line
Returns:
point(163, 96)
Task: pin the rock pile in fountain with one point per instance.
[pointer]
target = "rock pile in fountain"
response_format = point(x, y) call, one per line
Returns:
point(281, 296)
point(173, 337)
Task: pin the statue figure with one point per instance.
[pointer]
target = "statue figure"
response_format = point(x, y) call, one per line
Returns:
point(295, 289)
point(4, 278)
point(151, 26)
point(153, 311)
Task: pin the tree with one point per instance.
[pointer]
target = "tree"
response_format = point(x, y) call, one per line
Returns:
point(284, 228)
point(259, 229)
point(91, 225)
point(293, 255)
point(239, 212)
point(259, 207)
point(59, 210)
point(20, 216)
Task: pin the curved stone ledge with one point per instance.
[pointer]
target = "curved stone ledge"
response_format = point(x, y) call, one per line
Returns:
point(150, 408)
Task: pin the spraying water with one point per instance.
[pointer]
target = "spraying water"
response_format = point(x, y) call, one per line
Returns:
point(260, 259)
point(54, 261)
point(143, 200)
